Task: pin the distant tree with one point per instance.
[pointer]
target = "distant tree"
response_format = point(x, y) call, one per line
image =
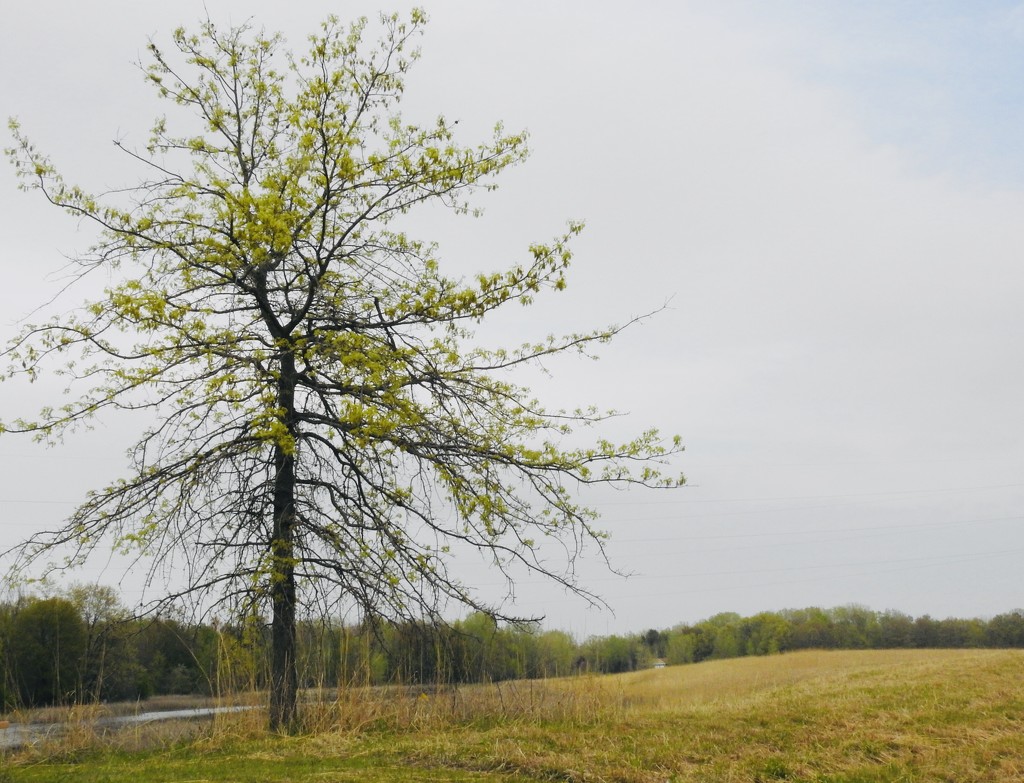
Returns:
point(8, 688)
point(613, 654)
point(176, 658)
point(656, 642)
point(723, 633)
point(684, 646)
point(481, 660)
point(959, 633)
point(109, 668)
point(764, 634)
point(853, 627)
point(895, 629)
point(925, 632)
point(1006, 630)
point(47, 649)
point(324, 425)
point(557, 652)
point(810, 628)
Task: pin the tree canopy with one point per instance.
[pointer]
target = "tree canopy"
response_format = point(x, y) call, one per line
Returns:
point(324, 424)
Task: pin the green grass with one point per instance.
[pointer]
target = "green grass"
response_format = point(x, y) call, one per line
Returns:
point(835, 717)
point(249, 762)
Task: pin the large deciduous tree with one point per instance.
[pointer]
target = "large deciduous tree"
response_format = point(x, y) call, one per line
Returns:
point(323, 422)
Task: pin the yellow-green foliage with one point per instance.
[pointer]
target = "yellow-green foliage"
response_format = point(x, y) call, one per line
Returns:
point(309, 365)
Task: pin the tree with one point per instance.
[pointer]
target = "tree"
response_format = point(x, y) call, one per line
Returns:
point(765, 633)
point(557, 651)
point(853, 627)
point(1006, 630)
point(324, 424)
point(656, 641)
point(48, 645)
point(109, 671)
point(685, 646)
point(614, 654)
point(895, 629)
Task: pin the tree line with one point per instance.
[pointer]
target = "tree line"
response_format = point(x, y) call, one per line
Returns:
point(84, 646)
point(728, 635)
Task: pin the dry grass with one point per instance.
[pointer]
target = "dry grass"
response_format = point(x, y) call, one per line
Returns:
point(814, 716)
point(827, 717)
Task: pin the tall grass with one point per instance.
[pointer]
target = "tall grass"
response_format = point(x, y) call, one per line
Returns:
point(829, 717)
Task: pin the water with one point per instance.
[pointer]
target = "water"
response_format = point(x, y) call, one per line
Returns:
point(20, 734)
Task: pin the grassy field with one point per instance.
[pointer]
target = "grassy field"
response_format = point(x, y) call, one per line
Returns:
point(830, 717)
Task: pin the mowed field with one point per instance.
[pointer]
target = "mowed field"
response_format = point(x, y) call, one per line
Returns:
point(829, 717)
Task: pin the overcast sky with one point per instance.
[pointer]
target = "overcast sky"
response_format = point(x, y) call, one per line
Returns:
point(827, 195)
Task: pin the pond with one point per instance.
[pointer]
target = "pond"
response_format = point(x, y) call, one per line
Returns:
point(18, 735)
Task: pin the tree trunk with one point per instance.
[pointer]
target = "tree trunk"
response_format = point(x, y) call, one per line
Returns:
point(284, 685)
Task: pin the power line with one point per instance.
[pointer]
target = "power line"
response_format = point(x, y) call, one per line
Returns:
point(788, 498)
point(818, 531)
